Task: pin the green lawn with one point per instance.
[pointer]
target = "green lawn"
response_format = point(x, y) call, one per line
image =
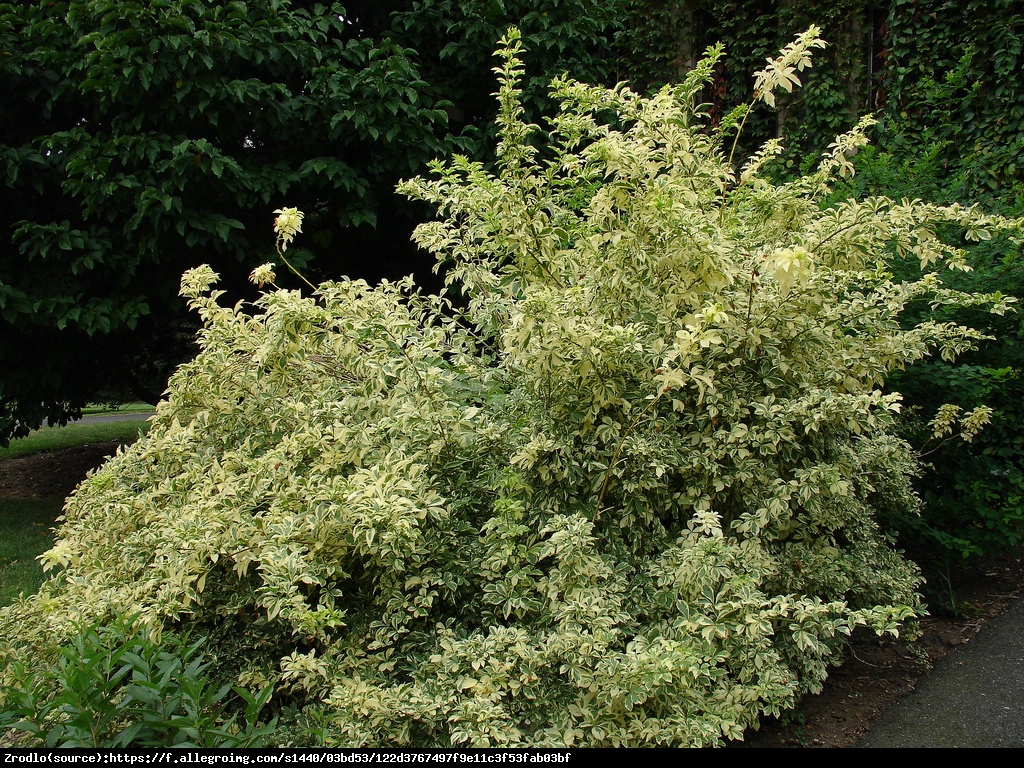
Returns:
point(57, 438)
point(101, 408)
point(26, 525)
point(26, 531)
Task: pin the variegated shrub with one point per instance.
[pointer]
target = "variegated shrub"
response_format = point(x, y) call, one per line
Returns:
point(623, 492)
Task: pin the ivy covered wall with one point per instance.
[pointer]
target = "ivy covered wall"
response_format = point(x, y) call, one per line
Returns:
point(938, 73)
point(672, 34)
point(953, 82)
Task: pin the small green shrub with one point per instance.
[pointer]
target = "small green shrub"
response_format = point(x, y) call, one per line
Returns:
point(118, 686)
point(626, 495)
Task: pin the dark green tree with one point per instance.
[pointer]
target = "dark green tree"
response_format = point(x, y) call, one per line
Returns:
point(140, 139)
point(143, 138)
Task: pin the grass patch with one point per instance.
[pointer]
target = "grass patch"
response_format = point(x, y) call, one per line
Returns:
point(26, 531)
point(58, 438)
point(26, 525)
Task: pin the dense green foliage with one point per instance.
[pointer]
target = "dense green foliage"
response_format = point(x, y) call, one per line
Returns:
point(939, 74)
point(953, 131)
point(141, 139)
point(625, 495)
point(117, 686)
point(954, 92)
point(668, 35)
point(973, 491)
point(135, 136)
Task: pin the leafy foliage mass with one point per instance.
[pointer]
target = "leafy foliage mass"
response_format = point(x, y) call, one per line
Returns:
point(666, 37)
point(136, 133)
point(952, 131)
point(118, 686)
point(625, 495)
point(973, 491)
point(955, 91)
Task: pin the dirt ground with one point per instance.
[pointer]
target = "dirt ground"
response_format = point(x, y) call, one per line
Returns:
point(877, 673)
point(47, 475)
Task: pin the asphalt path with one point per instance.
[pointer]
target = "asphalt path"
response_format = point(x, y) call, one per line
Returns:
point(973, 698)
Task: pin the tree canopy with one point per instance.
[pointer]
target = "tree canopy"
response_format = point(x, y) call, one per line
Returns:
point(142, 138)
